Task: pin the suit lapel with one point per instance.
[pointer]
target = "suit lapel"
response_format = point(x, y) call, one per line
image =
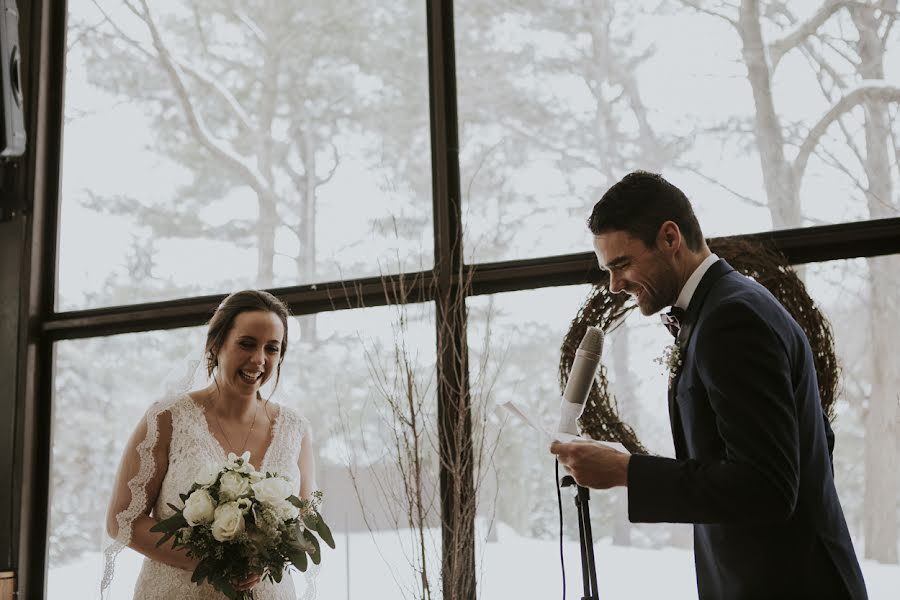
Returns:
point(713, 274)
point(675, 420)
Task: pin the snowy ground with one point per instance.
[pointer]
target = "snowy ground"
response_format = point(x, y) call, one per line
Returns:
point(512, 567)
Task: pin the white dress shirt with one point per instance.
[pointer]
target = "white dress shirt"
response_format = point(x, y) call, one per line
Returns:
point(690, 286)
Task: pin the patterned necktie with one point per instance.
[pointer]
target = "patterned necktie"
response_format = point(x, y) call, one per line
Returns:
point(672, 320)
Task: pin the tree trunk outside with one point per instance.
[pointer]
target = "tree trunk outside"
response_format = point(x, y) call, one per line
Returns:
point(306, 262)
point(265, 238)
point(881, 450)
point(781, 189)
point(606, 133)
point(883, 416)
point(268, 214)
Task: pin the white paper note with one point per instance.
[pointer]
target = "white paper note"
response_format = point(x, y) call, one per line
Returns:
point(549, 436)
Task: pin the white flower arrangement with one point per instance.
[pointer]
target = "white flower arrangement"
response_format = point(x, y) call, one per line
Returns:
point(240, 522)
point(671, 359)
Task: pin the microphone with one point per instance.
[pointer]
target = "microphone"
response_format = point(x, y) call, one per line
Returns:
point(581, 376)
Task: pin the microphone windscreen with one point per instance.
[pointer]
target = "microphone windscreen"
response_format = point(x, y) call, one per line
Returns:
point(592, 341)
point(581, 377)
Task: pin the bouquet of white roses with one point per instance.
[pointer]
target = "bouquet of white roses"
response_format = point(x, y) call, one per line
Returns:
point(239, 522)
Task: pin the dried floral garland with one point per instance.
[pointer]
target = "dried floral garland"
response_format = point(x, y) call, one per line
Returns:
point(768, 266)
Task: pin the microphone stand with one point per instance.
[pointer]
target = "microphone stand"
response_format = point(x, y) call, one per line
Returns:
point(588, 568)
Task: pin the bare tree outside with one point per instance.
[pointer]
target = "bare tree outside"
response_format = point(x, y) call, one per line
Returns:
point(551, 113)
point(263, 104)
point(845, 45)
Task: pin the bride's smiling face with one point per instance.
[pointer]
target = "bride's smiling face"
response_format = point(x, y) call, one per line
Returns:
point(251, 352)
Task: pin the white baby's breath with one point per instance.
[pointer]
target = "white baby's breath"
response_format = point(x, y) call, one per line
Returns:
point(671, 359)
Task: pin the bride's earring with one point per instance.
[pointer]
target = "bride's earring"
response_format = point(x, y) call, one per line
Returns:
point(212, 363)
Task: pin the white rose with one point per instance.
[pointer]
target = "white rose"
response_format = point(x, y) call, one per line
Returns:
point(233, 485)
point(208, 475)
point(272, 490)
point(286, 511)
point(229, 522)
point(199, 508)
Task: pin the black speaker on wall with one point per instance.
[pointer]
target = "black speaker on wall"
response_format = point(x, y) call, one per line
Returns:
point(12, 120)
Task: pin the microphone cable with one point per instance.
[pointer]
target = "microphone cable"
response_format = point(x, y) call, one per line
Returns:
point(562, 559)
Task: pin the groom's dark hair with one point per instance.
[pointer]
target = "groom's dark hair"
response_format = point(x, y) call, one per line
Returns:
point(223, 320)
point(639, 204)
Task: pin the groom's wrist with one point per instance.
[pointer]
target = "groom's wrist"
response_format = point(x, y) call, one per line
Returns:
point(624, 461)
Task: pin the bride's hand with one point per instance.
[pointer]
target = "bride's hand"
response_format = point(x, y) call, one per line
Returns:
point(248, 584)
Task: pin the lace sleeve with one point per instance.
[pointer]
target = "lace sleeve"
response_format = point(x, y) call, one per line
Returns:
point(140, 474)
point(141, 471)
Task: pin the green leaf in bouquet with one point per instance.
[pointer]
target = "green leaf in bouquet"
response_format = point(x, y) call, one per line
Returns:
point(322, 529)
point(173, 523)
point(169, 527)
point(316, 554)
point(297, 557)
point(159, 528)
point(296, 501)
point(227, 588)
point(165, 538)
point(204, 570)
point(276, 575)
point(299, 542)
point(224, 586)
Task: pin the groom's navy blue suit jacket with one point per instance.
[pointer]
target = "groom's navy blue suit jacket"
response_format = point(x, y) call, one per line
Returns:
point(753, 468)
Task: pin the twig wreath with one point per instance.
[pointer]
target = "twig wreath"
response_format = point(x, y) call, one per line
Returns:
point(769, 267)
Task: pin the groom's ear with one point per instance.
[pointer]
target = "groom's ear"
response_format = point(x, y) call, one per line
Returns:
point(668, 238)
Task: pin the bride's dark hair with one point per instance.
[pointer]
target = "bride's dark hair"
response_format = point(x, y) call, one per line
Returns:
point(223, 320)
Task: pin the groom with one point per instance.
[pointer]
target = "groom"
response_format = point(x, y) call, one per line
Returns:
point(753, 468)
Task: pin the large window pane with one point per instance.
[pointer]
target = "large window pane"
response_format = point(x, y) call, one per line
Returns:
point(104, 385)
point(860, 299)
point(526, 331)
point(246, 145)
point(557, 101)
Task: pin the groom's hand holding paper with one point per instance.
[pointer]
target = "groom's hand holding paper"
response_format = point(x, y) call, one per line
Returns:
point(593, 464)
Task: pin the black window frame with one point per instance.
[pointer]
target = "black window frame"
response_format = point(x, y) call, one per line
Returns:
point(25, 507)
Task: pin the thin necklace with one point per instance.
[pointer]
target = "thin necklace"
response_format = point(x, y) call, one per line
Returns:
point(219, 423)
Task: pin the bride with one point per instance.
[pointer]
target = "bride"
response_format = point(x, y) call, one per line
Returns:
point(190, 430)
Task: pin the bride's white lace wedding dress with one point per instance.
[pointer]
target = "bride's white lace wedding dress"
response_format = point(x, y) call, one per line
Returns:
point(191, 449)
